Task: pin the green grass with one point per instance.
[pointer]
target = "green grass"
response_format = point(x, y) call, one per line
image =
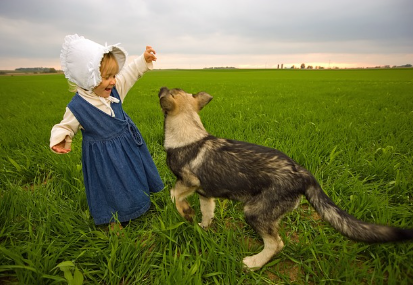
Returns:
point(352, 128)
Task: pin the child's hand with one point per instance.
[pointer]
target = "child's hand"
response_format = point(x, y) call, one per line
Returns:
point(61, 147)
point(149, 54)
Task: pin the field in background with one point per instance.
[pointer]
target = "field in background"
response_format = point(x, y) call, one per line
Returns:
point(352, 129)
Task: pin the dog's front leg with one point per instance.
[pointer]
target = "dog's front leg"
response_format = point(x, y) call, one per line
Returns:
point(178, 195)
point(207, 210)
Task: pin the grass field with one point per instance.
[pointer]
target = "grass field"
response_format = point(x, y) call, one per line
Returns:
point(352, 129)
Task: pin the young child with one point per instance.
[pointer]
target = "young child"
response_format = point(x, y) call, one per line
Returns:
point(118, 170)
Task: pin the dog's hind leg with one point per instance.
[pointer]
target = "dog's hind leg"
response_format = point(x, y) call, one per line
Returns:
point(264, 218)
point(264, 215)
point(272, 245)
point(207, 209)
point(179, 193)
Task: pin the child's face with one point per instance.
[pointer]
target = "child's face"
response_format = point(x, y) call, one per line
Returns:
point(105, 87)
point(108, 69)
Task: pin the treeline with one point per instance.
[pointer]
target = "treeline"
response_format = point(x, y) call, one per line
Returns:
point(36, 69)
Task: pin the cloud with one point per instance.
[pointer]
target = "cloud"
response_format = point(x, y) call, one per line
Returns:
point(193, 30)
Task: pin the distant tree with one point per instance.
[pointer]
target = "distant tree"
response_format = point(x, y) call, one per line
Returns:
point(303, 66)
point(36, 69)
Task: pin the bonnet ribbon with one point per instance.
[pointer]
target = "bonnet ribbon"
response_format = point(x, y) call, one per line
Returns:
point(107, 101)
point(111, 47)
point(91, 70)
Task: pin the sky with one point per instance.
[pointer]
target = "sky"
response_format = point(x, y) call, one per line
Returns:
point(193, 34)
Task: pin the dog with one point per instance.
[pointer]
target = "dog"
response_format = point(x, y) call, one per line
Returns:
point(265, 180)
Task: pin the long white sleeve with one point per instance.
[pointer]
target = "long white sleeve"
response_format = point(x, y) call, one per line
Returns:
point(130, 74)
point(65, 130)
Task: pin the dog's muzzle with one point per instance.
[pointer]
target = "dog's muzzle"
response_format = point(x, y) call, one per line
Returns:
point(163, 91)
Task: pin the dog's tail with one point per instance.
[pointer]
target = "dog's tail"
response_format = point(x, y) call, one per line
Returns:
point(349, 225)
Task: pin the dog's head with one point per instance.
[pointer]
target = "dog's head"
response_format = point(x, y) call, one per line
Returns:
point(175, 101)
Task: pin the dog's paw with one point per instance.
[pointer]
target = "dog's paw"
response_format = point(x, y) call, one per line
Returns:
point(252, 263)
point(203, 226)
point(205, 223)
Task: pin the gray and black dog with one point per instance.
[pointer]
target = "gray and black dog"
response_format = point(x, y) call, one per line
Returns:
point(265, 180)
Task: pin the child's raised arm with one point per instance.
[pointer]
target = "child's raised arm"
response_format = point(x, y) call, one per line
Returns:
point(149, 54)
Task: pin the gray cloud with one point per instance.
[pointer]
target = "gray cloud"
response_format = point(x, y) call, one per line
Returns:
point(210, 27)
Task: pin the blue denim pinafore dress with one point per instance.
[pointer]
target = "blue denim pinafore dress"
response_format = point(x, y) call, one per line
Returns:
point(118, 170)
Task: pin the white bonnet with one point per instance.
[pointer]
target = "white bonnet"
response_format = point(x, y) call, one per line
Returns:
point(80, 59)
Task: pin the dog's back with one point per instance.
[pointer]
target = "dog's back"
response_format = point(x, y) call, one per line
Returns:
point(239, 170)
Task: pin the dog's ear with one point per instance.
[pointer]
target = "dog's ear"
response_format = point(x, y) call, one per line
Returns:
point(166, 104)
point(203, 99)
